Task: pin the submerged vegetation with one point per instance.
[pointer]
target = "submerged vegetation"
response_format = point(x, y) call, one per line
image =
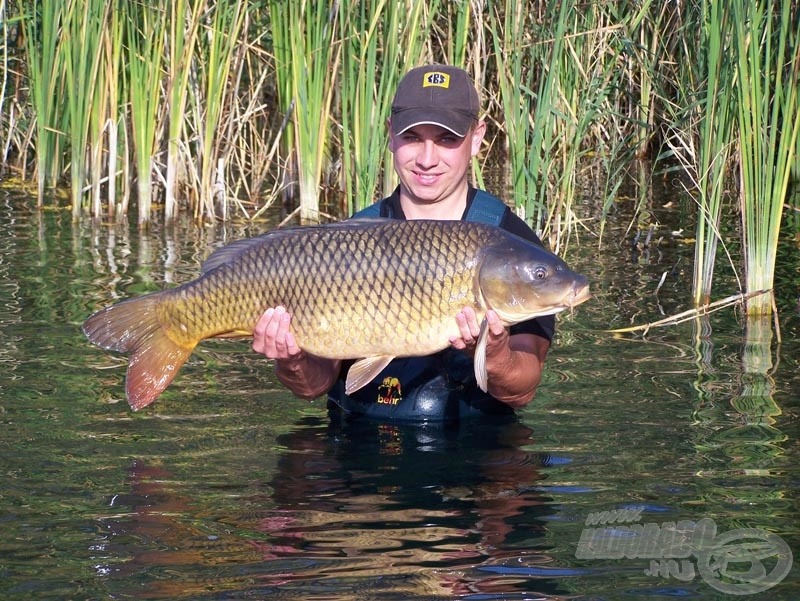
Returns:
point(217, 109)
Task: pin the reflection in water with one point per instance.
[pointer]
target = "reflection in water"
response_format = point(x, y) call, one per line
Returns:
point(751, 439)
point(755, 400)
point(352, 508)
point(10, 301)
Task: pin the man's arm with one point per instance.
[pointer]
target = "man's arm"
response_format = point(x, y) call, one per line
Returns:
point(307, 376)
point(513, 363)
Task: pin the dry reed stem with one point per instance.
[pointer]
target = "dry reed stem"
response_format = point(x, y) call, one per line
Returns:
point(691, 313)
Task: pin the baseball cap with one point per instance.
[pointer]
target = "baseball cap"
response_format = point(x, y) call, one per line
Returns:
point(437, 95)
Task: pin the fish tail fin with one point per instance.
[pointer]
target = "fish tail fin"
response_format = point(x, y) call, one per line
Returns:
point(132, 327)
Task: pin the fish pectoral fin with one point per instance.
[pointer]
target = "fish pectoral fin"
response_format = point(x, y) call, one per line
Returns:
point(481, 375)
point(362, 372)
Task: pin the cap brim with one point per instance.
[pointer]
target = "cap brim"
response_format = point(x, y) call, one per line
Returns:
point(453, 121)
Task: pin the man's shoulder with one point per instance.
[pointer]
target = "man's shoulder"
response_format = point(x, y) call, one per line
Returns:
point(485, 208)
point(498, 213)
point(373, 210)
point(388, 207)
point(517, 226)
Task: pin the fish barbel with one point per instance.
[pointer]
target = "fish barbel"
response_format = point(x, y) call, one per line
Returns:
point(367, 289)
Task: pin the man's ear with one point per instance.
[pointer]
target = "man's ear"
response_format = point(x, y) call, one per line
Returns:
point(478, 132)
point(391, 135)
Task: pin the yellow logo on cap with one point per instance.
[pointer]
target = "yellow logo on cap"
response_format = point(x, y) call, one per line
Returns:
point(437, 79)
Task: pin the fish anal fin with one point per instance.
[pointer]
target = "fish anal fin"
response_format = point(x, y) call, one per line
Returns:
point(234, 334)
point(481, 375)
point(362, 372)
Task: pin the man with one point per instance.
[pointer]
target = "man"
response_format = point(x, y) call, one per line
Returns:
point(434, 132)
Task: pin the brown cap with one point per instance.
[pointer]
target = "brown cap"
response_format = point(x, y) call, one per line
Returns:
point(437, 95)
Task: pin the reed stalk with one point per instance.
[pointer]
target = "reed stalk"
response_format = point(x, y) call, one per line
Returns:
point(83, 23)
point(703, 147)
point(254, 146)
point(588, 78)
point(766, 39)
point(715, 135)
point(95, 138)
point(216, 46)
point(145, 30)
point(307, 54)
point(184, 21)
point(647, 24)
point(368, 76)
point(554, 82)
point(452, 25)
point(511, 35)
point(41, 27)
point(6, 124)
point(280, 26)
point(114, 95)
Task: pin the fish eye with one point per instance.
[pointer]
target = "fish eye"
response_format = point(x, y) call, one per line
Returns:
point(540, 273)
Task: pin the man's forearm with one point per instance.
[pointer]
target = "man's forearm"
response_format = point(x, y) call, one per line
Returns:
point(515, 369)
point(308, 376)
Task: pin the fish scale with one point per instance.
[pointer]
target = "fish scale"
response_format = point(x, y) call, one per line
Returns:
point(359, 292)
point(359, 289)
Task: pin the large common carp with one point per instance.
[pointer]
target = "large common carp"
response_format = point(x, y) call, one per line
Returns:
point(359, 289)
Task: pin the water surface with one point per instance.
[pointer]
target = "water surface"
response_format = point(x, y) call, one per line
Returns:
point(230, 488)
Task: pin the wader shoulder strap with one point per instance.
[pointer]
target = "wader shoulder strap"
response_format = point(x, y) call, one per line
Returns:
point(374, 210)
point(486, 208)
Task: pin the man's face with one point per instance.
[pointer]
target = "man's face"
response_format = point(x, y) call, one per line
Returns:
point(432, 162)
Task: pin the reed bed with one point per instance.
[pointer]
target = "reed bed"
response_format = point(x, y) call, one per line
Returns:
point(768, 112)
point(703, 141)
point(216, 109)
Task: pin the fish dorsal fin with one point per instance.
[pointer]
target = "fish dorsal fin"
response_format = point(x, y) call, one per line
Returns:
point(364, 371)
point(355, 221)
point(230, 251)
point(227, 253)
point(481, 375)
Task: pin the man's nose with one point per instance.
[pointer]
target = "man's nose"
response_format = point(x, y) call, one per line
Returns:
point(427, 154)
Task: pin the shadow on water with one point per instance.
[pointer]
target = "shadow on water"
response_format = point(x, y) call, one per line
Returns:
point(230, 488)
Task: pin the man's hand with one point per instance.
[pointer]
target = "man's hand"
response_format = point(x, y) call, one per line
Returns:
point(470, 329)
point(305, 375)
point(273, 336)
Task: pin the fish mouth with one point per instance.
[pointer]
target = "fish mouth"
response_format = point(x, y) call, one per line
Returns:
point(578, 293)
